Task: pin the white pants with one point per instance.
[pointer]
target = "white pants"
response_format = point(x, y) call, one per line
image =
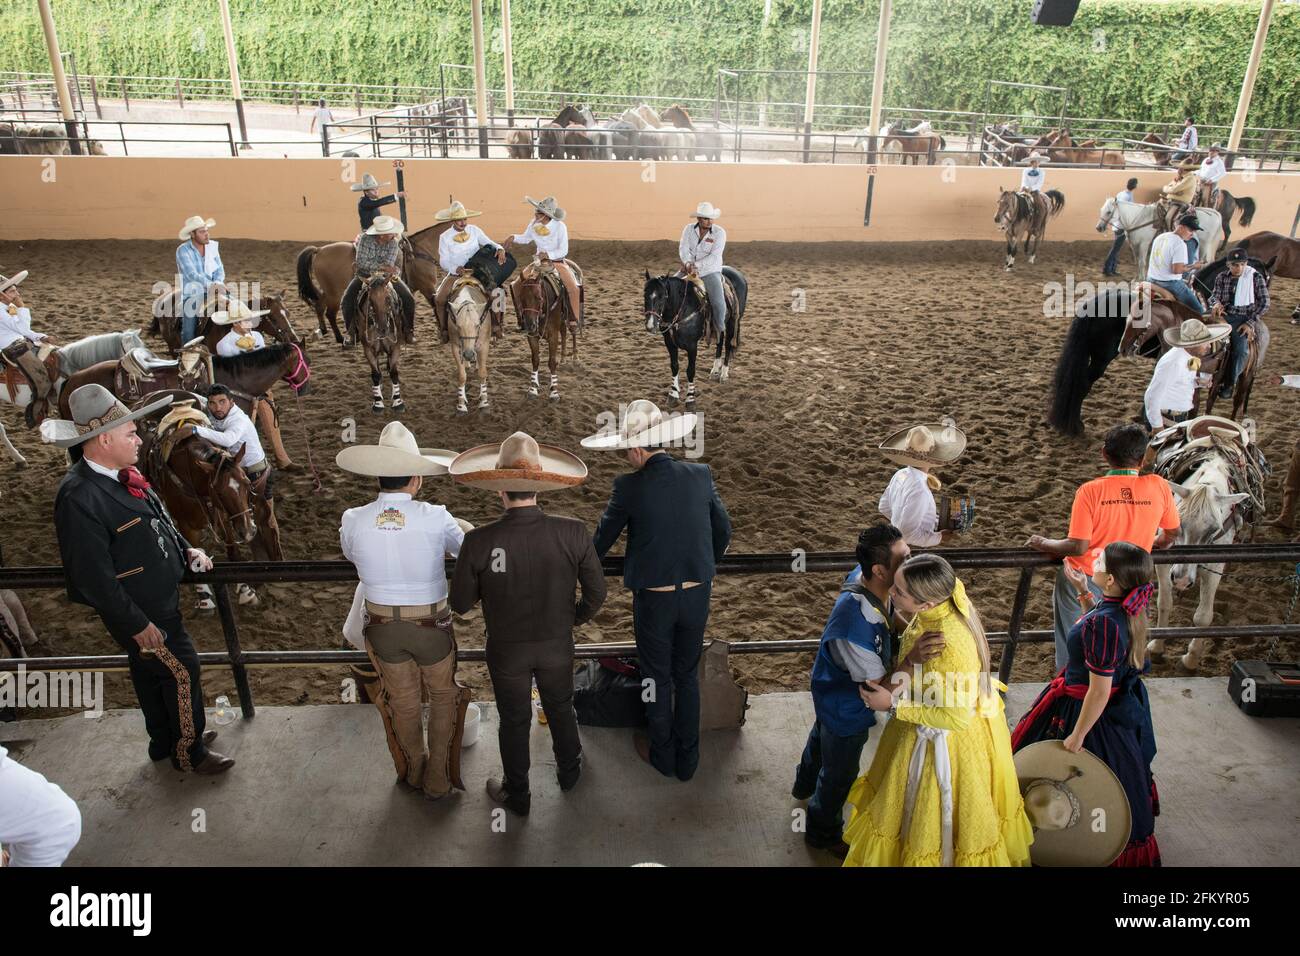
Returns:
point(39, 823)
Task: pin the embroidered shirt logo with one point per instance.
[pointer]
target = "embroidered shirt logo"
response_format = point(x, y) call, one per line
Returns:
point(390, 518)
point(1126, 494)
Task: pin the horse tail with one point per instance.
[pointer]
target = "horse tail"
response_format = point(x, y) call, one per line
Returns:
point(1057, 200)
point(1070, 383)
point(306, 287)
point(1247, 206)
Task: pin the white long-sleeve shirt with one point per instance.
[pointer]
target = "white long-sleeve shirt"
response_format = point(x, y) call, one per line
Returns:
point(229, 345)
point(1032, 179)
point(399, 546)
point(15, 324)
point(551, 239)
point(1173, 385)
point(457, 248)
point(706, 252)
point(232, 431)
point(1212, 170)
point(909, 505)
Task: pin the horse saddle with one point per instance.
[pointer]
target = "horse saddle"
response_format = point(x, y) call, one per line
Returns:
point(140, 371)
point(729, 294)
point(1179, 451)
point(1200, 431)
point(1149, 293)
point(177, 425)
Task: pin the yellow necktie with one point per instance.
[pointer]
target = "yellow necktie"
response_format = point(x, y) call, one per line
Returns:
point(1194, 364)
point(541, 231)
point(461, 237)
point(246, 342)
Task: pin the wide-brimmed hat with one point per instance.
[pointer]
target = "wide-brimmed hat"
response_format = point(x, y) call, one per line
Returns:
point(1195, 332)
point(95, 410)
point(11, 281)
point(455, 211)
point(706, 210)
point(238, 312)
point(1217, 147)
point(519, 463)
point(643, 426)
point(936, 443)
point(1190, 164)
point(367, 182)
point(195, 222)
point(547, 206)
point(1078, 808)
point(395, 456)
point(1036, 155)
point(386, 226)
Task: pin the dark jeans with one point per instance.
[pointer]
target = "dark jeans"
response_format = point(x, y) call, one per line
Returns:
point(1237, 348)
point(830, 763)
point(1112, 260)
point(512, 666)
point(171, 696)
point(669, 628)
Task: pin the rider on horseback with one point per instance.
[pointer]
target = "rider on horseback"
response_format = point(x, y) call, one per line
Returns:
point(1208, 175)
point(377, 253)
point(549, 234)
point(18, 344)
point(1240, 297)
point(1168, 262)
point(371, 202)
point(198, 263)
point(700, 250)
point(1031, 180)
point(243, 337)
point(1177, 194)
point(456, 247)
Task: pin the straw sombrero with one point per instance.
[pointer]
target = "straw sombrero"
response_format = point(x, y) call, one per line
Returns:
point(95, 410)
point(1078, 808)
point(1194, 332)
point(518, 464)
point(1036, 156)
point(238, 312)
point(643, 426)
point(1190, 164)
point(936, 443)
point(367, 182)
point(6, 284)
point(385, 226)
point(195, 222)
point(547, 206)
point(455, 211)
point(706, 210)
point(395, 456)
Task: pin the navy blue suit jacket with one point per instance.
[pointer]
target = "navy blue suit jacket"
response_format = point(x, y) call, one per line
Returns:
point(677, 526)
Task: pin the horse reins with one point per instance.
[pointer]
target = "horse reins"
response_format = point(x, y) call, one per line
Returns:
point(220, 521)
point(660, 329)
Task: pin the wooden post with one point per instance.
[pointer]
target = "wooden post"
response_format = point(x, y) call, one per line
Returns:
point(94, 97)
point(509, 60)
point(810, 93)
point(1248, 82)
point(480, 78)
point(878, 78)
point(236, 88)
point(60, 78)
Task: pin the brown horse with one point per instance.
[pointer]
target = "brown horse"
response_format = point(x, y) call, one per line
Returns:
point(1027, 212)
point(1159, 156)
point(379, 333)
point(1166, 314)
point(541, 313)
point(707, 140)
point(1062, 149)
point(912, 144)
point(1284, 251)
point(166, 321)
point(324, 273)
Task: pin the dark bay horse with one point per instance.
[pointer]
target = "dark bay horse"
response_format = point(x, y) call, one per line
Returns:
point(541, 313)
point(275, 324)
point(1028, 213)
point(379, 333)
point(674, 309)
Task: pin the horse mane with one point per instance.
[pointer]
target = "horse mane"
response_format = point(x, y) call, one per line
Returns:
point(267, 357)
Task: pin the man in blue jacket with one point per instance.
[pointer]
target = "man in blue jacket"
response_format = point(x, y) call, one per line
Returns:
point(677, 528)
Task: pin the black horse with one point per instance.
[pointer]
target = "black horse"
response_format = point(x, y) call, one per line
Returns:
point(675, 310)
point(1093, 341)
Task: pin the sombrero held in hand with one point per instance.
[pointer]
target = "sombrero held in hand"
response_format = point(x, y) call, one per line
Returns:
point(395, 456)
point(1078, 808)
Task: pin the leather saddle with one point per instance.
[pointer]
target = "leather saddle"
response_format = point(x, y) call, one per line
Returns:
point(140, 371)
point(729, 293)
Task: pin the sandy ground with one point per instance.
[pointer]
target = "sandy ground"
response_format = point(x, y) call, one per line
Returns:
point(890, 335)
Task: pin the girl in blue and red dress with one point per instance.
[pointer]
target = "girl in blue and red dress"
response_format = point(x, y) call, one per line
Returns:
point(1098, 701)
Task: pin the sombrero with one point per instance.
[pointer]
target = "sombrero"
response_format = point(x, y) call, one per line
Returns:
point(1035, 155)
point(518, 464)
point(367, 182)
point(548, 206)
point(385, 226)
point(455, 211)
point(643, 426)
point(6, 284)
point(936, 443)
point(1194, 332)
point(1190, 164)
point(706, 210)
point(95, 410)
point(195, 222)
point(1080, 813)
point(395, 456)
point(238, 312)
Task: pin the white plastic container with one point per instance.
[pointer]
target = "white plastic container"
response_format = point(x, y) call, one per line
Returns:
point(473, 717)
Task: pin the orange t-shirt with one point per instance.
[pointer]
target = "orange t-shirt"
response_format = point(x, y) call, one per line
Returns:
point(1114, 508)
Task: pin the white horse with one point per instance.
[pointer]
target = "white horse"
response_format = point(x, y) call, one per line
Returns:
point(470, 327)
point(674, 143)
point(1207, 514)
point(1141, 224)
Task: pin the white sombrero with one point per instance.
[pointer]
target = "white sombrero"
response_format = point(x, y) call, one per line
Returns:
point(547, 206)
point(518, 464)
point(6, 284)
point(195, 222)
point(238, 312)
point(455, 211)
point(1035, 156)
point(706, 210)
point(936, 443)
point(94, 410)
point(1078, 808)
point(643, 426)
point(1194, 332)
point(395, 456)
point(367, 182)
point(385, 226)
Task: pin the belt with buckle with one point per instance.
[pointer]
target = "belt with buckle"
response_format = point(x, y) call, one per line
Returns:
point(409, 613)
point(257, 469)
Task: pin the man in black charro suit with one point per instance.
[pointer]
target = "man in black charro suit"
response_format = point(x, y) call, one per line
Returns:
point(123, 556)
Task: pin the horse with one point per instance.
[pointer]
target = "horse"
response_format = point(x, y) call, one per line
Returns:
point(540, 308)
point(1142, 223)
point(1091, 344)
point(675, 310)
point(379, 333)
point(706, 141)
point(166, 321)
point(1227, 207)
point(1220, 496)
point(1257, 348)
point(1017, 210)
point(470, 338)
point(649, 142)
point(324, 273)
point(519, 143)
point(1282, 251)
point(674, 143)
point(1159, 156)
point(912, 144)
point(16, 630)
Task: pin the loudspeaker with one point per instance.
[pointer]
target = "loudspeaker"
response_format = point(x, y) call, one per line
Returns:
point(1054, 13)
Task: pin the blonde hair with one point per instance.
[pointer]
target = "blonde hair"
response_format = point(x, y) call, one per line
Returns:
point(931, 579)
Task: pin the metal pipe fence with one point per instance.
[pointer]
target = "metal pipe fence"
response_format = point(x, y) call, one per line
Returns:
point(1025, 561)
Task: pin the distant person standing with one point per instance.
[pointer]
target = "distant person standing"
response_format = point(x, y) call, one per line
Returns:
point(908, 502)
point(1111, 268)
point(321, 115)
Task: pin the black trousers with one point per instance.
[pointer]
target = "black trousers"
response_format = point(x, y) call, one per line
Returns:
point(512, 667)
point(168, 688)
point(669, 628)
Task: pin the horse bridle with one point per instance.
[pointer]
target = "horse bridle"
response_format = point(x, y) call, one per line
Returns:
point(478, 324)
point(219, 519)
point(660, 328)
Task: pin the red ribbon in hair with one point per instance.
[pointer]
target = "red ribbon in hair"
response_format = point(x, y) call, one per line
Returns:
point(1139, 598)
point(135, 482)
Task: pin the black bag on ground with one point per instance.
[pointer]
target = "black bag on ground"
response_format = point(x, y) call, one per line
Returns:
point(1266, 688)
point(607, 693)
point(483, 266)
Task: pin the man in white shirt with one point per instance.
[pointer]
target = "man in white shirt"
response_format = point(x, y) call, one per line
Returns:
point(1032, 177)
point(550, 235)
point(908, 502)
point(456, 246)
point(700, 251)
point(399, 546)
point(321, 115)
point(1172, 392)
point(18, 344)
point(1210, 172)
point(1186, 142)
point(243, 336)
point(1167, 262)
point(1111, 267)
point(39, 823)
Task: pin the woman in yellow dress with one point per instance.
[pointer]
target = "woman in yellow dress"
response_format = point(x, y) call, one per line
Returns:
point(942, 788)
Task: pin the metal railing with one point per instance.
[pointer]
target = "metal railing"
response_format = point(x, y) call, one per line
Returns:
point(1025, 561)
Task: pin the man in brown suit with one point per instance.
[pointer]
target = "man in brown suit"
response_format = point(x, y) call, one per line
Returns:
point(524, 568)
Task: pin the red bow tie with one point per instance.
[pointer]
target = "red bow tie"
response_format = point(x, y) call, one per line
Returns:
point(135, 482)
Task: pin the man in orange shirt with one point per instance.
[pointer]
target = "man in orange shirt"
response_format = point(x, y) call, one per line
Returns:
point(1120, 506)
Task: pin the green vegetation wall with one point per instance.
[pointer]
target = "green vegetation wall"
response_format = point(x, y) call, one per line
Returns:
point(1129, 58)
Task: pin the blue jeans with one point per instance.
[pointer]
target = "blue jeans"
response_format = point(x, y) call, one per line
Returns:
point(1066, 609)
point(717, 301)
point(1112, 260)
point(1182, 292)
point(829, 765)
point(1237, 348)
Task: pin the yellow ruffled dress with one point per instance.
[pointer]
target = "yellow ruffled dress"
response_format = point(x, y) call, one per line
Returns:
point(988, 822)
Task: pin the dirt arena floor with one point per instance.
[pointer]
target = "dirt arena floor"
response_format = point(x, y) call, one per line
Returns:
point(892, 334)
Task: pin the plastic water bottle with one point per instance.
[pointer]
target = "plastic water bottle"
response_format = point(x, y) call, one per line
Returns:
point(537, 704)
point(222, 712)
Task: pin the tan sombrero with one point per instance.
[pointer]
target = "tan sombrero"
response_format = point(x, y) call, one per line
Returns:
point(455, 211)
point(238, 312)
point(547, 206)
point(94, 410)
point(1194, 332)
point(706, 210)
point(518, 464)
point(1190, 164)
point(395, 456)
point(8, 283)
point(1078, 808)
point(643, 426)
point(386, 226)
point(937, 443)
point(367, 182)
point(195, 222)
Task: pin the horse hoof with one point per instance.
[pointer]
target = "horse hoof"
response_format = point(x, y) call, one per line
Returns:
point(554, 396)
point(461, 410)
point(399, 409)
point(722, 376)
point(1189, 663)
point(377, 409)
